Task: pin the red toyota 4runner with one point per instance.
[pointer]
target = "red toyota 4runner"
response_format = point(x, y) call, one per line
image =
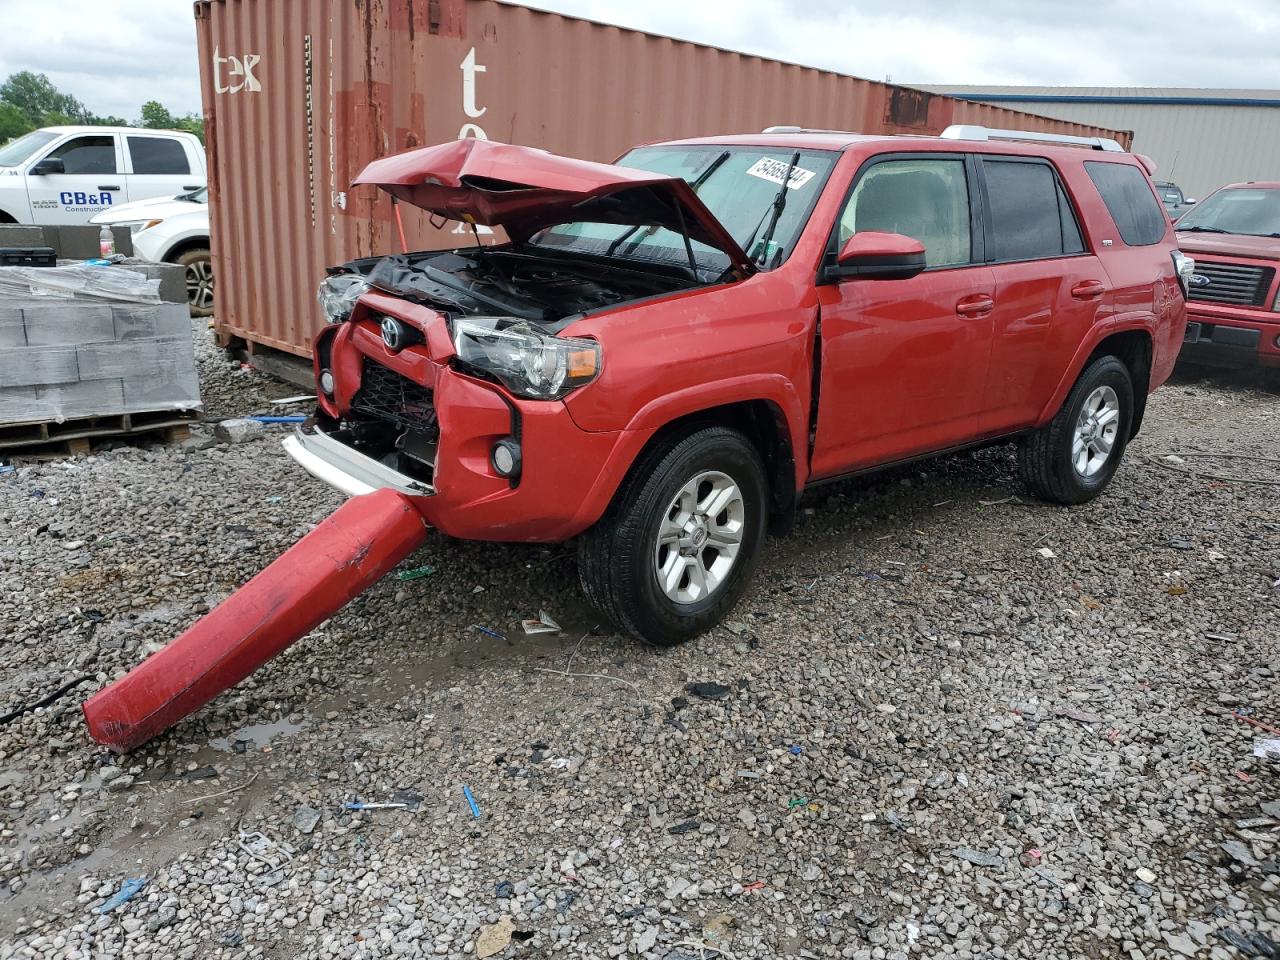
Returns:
point(663, 353)
point(1234, 294)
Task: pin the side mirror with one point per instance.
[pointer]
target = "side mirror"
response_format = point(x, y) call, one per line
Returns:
point(870, 255)
point(1188, 200)
point(48, 165)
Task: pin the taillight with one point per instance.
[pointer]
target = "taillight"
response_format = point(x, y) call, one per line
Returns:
point(1184, 266)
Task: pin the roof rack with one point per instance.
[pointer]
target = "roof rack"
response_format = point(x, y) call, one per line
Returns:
point(964, 131)
point(788, 129)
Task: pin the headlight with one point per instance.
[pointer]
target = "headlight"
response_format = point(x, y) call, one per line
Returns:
point(136, 226)
point(522, 358)
point(1185, 267)
point(338, 294)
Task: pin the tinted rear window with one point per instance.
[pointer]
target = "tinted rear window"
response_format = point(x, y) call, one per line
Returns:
point(158, 155)
point(1133, 206)
point(1030, 217)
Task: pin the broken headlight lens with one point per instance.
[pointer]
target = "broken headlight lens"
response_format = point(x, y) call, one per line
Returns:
point(523, 359)
point(338, 294)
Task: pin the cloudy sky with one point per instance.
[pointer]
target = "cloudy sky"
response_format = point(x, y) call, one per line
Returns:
point(114, 56)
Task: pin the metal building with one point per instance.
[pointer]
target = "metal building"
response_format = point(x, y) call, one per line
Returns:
point(1199, 138)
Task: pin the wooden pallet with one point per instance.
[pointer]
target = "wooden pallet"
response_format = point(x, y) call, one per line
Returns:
point(78, 435)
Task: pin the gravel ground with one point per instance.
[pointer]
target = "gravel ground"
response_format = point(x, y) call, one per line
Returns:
point(947, 721)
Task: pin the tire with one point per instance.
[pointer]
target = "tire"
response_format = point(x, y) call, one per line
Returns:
point(619, 558)
point(1049, 460)
point(198, 265)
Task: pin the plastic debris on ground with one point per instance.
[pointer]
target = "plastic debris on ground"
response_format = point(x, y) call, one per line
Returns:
point(285, 401)
point(274, 419)
point(1046, 553)
point(977, 857)
point(708, 690)
point(1251, 944)
point(495, 938)
point(361, 805)
point(1078, 715)
point(488, 632)
point(471, 801)
point(544, 624)
point(417, 573)
point(1268, 749)
point(795, 750)
point(128, 890)
point(263, 849)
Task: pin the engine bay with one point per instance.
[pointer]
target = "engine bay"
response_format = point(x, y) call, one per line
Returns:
point(541, 289)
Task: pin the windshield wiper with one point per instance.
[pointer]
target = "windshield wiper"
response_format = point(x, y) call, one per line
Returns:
point(694, 185)
point(1198, 229)
point(779, 204)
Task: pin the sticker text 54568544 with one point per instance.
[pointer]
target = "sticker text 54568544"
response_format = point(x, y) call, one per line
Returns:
point(766, 168)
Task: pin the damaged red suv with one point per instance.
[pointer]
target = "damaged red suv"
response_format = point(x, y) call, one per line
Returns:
point(664, 352)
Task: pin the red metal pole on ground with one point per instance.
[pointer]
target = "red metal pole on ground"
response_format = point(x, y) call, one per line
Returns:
point(334, 563)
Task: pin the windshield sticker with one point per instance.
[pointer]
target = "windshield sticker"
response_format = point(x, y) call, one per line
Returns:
point(766, 168)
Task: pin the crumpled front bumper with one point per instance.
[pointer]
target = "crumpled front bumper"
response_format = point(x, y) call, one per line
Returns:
point(346, 468)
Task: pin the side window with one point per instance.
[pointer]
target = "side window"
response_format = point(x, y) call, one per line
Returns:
point(1133, 207)
point(158, 155)
point(87, 155)
point(1031, 217)
point(925, 199)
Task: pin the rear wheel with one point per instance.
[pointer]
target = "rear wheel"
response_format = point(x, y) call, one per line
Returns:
point(198, 263)
point(677, 547)
point(1073, 458)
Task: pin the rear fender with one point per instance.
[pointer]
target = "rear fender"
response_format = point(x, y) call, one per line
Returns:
point(1145, 322)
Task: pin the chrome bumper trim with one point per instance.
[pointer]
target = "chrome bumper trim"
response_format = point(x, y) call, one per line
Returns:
point(347, 469)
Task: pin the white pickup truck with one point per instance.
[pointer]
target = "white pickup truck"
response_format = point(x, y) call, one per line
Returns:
point(69, 174)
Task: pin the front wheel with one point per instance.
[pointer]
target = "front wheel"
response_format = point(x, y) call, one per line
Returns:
point(198, 264)
point(678, 545)
point(1073, 458)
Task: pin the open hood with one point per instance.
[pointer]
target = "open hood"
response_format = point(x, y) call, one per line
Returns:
point(523, 190)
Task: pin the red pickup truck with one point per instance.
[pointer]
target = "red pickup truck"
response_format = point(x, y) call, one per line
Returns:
point(664, 352)
point(1234, 310)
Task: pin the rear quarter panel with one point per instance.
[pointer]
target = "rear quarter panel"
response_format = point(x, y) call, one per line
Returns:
point(1143, 287)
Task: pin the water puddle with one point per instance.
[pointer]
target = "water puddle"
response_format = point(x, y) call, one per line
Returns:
point(255, 736)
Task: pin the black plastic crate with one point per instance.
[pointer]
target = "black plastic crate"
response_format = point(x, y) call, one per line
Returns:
point(28, 257)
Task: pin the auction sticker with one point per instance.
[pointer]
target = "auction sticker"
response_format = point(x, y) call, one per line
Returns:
point(766, 168)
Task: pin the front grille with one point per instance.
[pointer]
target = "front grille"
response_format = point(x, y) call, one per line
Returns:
point(386, 395)
point(1236, 283)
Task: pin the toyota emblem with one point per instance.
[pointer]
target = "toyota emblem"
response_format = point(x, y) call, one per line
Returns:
point(1200, 280)
point(393, 334)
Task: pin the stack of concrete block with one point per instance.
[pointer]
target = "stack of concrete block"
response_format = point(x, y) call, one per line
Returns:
point(68, 359)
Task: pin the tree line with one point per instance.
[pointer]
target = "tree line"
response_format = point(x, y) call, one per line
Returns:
point(29, 101)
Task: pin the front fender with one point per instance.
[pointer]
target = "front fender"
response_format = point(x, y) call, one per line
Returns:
point(773, 389)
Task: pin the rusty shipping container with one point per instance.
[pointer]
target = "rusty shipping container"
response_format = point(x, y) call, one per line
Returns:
point(300, 94)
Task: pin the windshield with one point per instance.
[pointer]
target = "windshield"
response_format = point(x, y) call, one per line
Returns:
point(1246, 210)
point(738, 184)
point(17, 151)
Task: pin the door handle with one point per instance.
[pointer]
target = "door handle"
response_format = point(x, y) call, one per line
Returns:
point(1088, 290)
point(978, 305)
point(108, 186)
